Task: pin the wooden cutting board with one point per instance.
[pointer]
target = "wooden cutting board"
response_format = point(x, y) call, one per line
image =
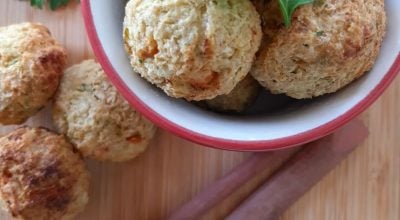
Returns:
point(366, 186)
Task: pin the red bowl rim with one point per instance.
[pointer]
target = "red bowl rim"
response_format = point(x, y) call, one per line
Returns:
point(221, 143)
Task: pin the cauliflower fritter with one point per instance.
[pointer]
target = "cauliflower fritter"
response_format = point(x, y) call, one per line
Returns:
point(241, 97)
point(96, 118)
point(271, 19)
point(31, 64)
point(192, 49)
point(329, 44)
point(41, 176)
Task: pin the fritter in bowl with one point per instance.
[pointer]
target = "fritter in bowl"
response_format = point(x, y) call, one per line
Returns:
point(329, 44)
point(237, 101)
point(192, 49)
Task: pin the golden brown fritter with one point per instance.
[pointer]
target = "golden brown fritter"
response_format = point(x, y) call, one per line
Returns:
point(329, 44)
point(41, 176)
point(241, 97)
point(271, 19)
point(31, 64)
point(192, 49)
point(96, 118)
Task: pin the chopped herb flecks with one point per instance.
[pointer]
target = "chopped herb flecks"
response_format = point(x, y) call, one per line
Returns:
point(319, 33)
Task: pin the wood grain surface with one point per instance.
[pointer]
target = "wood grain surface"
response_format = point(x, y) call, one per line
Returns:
point(365, 186)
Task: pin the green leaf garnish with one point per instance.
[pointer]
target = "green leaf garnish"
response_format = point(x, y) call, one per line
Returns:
point(53, 4)
point(37, 3)
point(289, 6)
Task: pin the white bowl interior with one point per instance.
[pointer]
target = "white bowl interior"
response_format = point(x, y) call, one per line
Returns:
point(108, 17)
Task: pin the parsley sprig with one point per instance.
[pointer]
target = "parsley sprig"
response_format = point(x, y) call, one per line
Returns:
point(53, 4)
point(289, 6)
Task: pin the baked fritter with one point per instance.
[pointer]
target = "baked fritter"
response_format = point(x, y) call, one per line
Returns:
point(271, 19)
point(41, 176)
point(241, 97)
point(192, 49)
point(31, 64)
point(329, 44)
point(96, 118)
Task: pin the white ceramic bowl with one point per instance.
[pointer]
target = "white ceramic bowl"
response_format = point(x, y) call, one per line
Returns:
point(297, 124)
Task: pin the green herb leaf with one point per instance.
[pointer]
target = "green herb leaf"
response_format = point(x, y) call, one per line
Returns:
point(289, 6)
point(37, 3)
point(53, 4)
